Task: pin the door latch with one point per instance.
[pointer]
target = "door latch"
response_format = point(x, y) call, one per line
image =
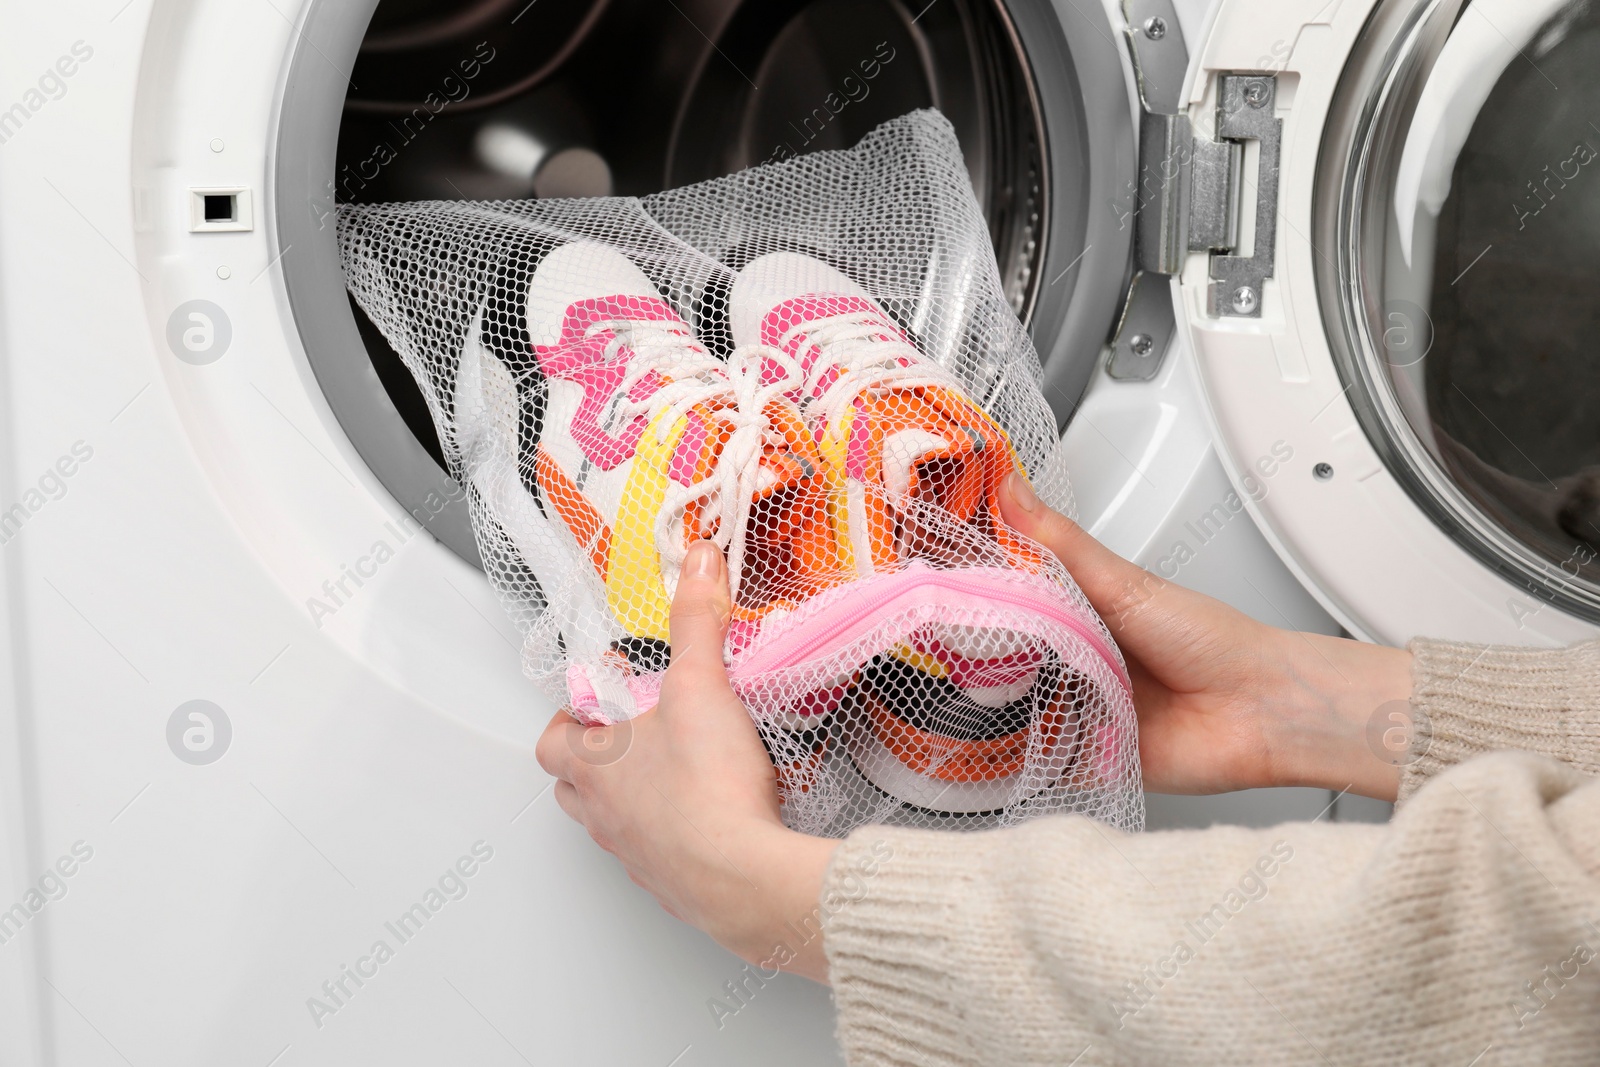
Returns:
point(1245, 112)
point(1192, 190)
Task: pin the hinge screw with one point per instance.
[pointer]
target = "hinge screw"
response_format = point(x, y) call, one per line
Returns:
point(1255, 94)
point(1244, 300)
point(1155, 27)
point(1142, 344)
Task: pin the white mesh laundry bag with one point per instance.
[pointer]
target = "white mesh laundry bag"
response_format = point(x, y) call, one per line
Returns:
point(812, 364)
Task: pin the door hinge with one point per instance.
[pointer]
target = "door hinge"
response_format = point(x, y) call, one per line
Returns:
point(1146, 323)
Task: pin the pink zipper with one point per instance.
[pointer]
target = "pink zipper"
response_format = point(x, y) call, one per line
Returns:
point(850, 612)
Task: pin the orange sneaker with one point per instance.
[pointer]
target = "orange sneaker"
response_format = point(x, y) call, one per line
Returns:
point(897, 433)
point(915, 469)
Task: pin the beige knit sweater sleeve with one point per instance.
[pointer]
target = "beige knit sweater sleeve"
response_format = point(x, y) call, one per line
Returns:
point(1465, 932)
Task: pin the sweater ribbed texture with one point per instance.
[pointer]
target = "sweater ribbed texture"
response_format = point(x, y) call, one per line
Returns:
point(1470, 922)
point(1483, 698)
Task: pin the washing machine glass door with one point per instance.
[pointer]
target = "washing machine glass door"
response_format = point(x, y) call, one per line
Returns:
point(1461, 192)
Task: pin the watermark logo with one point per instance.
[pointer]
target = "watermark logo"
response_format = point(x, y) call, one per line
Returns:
point(1542, 192)
point(51, 85)
point(1399, 733)
point(1551, 982)
point(199, 332)
point(1208, 526)
point(1522, 609)
point(601, 746)
point(50, 487)
point(851, 889)
point(343, 587)
point(452, 885)
point(352, 178)
point(852, 89)
point(1251, 888)
point(1407, 336)
point(48, 888)
point(198, 732)
point(1204, 528)
point(1276, 59)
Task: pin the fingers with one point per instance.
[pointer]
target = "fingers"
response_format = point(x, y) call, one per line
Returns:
point(567, 799)
point(552, 752)
point(1113, 585)
point(700, 612)
point(570, 751)
point(571, 802)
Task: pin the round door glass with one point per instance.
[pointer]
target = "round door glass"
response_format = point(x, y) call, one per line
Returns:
point(1463, 278)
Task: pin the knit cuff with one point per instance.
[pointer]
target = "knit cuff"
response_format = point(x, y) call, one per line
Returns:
point(888, 902)
point(1471, 699)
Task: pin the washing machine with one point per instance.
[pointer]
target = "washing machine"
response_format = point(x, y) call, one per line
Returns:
point(1312, 283)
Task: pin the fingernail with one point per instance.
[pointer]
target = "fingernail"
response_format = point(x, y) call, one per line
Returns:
point(704, 560)
point(1022, 492)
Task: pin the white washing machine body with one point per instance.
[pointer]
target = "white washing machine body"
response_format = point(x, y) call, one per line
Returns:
point(266, 766)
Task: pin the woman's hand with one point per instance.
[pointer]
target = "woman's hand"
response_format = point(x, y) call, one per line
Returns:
point(1225, 702)
point(687, 799)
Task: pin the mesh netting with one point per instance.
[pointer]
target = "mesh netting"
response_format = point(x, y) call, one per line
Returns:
point(812, 364)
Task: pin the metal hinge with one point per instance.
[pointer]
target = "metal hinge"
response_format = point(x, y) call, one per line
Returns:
point(1191, 190)
point(1146, 325)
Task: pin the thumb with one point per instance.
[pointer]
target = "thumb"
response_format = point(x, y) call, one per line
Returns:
point(700, 612)
point(1116, 587)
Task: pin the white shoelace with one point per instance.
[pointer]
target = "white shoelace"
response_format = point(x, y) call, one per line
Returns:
point(728, 492)
point(854, 344)
point(731, 393)
point(667, 349)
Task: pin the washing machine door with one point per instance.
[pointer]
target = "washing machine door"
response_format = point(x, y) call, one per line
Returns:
point(1387, 234)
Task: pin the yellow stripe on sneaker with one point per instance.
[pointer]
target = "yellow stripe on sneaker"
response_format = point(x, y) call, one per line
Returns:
point(635, 588)
point(835, 441)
